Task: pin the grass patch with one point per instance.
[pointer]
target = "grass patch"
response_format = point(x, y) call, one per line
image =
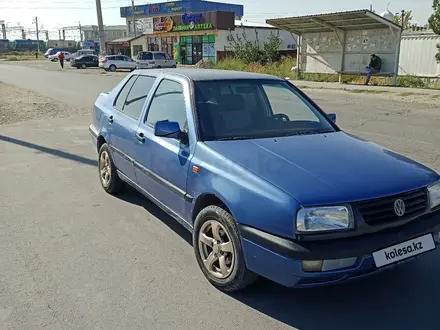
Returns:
point(406, 94)
point(281, 69)
point(365, 91)
point(20, 56)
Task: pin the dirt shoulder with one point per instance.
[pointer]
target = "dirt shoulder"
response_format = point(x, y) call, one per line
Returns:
point(17, 105)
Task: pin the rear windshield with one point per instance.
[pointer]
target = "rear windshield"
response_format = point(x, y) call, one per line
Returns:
point(145, 56)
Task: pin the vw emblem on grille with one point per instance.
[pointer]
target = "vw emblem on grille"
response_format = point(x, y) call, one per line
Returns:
point(399, 207)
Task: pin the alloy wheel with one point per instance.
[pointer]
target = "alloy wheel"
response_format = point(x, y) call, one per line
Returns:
point(216, 249)
point(105, 168)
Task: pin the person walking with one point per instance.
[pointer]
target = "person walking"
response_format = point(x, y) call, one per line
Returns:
point(374, 67)
point(61, 59)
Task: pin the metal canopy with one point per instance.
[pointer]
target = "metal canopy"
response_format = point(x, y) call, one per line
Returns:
point(341, 21)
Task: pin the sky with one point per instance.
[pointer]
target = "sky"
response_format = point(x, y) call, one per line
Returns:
point(53, 14)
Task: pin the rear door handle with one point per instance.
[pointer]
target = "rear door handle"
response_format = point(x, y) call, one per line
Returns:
point(110, 119)
point(140, 136)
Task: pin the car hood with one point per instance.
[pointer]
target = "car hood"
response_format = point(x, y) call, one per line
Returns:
point(328, 168)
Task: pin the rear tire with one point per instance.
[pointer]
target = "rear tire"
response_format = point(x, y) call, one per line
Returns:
point(218, 250)
point(108, 175)
point(112, 68)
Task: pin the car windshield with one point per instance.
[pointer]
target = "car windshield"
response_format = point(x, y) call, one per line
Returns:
point(254, 109)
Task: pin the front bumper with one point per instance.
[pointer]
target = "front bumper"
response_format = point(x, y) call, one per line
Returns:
point(94, 134)
point(279, 259)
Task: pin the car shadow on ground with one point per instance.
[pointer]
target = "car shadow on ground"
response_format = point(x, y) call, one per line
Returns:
point(51, 151)
point(132, 196)
point(402, 298)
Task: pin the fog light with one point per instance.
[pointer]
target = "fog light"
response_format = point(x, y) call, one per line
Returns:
point(436, 237)
point(327, 265)
point(338, 264)
point(312, 265)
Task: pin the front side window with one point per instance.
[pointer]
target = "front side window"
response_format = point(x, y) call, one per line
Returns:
point(253, 109)
point(168, 104)
point(137, 96)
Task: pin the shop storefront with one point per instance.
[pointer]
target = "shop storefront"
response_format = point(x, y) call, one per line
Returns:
point(188, 38)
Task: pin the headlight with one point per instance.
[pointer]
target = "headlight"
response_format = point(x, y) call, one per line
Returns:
point(327, 218)
point(434, 195)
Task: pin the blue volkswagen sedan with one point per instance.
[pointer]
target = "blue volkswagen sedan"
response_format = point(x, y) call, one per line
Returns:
point(263, 178)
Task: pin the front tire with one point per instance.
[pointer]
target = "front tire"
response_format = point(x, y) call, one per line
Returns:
point(83, 66)
point(218, 250)
point(112, 68)
point(108, 175)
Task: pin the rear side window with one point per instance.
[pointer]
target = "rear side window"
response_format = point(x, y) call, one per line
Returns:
point(122, 96)
point(145, 56)
point(159, 56)
point(137, 96)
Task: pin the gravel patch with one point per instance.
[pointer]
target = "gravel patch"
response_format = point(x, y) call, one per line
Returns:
point(17, 105)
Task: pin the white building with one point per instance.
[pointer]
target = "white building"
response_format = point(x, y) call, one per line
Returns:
point(90, 32)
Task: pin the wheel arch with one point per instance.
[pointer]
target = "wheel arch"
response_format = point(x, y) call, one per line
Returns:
point(206, 200)
point(100, 141)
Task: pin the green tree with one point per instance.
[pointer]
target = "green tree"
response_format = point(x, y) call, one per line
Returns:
point(407, 18)
point(434, 24)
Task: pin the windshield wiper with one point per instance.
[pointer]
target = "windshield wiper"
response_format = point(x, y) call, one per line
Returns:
point(309, 132)
point(231, 138)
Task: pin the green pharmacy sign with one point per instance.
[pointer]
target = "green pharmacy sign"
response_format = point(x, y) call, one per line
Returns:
point(192, 26)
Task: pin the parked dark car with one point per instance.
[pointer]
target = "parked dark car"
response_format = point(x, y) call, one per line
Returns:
point(85, 61)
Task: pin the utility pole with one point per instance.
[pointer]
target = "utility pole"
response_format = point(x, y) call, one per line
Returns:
point(3, 26)
point(23, 34)
point(100, 26)
point(38, 35)
point(80, 32)
point(59, 34)
point(133, 9)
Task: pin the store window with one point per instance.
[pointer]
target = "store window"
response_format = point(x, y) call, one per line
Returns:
point(167, 45)
point(153, 44)
point(137, 49)
point(208, 48)
point(195, 48)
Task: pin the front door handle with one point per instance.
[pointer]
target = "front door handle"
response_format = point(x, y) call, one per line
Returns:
point(110, 119)
point(140, 136)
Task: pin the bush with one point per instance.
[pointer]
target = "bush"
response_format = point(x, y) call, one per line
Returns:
point(281, 68)
point(255, 52)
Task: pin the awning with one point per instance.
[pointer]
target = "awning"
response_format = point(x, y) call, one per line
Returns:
point(342, 21)
point(125, 41)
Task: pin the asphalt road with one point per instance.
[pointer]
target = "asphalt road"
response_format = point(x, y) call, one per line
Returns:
point(73, 257)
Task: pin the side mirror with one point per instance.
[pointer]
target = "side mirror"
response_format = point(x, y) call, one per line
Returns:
point(332, 117)
point(170, 129)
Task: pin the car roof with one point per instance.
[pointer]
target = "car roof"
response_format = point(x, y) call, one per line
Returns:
point(206, 74)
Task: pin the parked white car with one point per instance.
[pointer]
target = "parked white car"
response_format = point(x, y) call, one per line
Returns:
point(152, 60)
point(117, 62)
point(54, 57)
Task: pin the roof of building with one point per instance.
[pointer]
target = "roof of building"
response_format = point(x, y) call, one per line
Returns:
point(180, 7)
point(121, 40)
point(349, 20)
point(244, 23)
point(205, 74)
